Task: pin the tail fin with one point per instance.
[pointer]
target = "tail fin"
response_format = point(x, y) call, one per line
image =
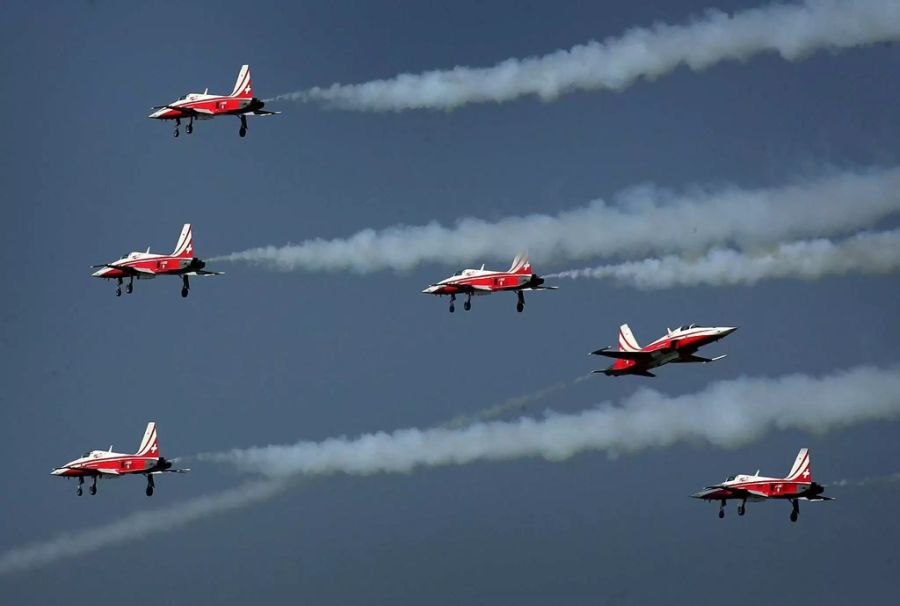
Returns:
point(802, 469)
point(150, 443)
point(242, 86)
point(626, 339)
point(521, 265)
point(185, 246)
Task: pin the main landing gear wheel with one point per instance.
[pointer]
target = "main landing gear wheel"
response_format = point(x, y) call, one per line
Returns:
point(721, 513)
point(175, 133)
point(741, 510)
point(243, 131)
point(189, 128)
point(520, 305)
point(149, 491)
point(78, 491)
point(92, 490)
point(467, 305)
point(129, 288)
point(186, 286)
point(184, 292)
point(793, 516)
point(118, 291)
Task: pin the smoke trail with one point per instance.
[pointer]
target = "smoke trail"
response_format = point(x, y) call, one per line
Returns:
point(725, 414)
point(642, 220)
point(794, 31)
point(144, 523)
point(512, 405)
point(871, 480)
point(866, 253)
point(139, 525)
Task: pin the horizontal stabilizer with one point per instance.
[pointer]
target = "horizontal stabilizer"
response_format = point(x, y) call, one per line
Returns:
point(203, 272)
point(262, 112)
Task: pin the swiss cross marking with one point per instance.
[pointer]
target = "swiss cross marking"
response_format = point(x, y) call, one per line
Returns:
point(153, 449)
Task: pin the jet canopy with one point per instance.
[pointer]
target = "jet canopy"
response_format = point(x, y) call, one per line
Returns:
point(685, 327)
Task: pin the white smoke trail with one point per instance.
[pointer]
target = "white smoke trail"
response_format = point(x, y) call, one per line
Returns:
point(865, 253)
point(725, 414)
point(139, 525)
point(869, 481)
point(794, 31)
point(643, 220)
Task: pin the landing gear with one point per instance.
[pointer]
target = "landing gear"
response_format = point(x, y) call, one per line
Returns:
point(93, 488)
point(177, 124)
point(118, 287)
point(186, 286)
point(520, 305)
point(129, 288)
point(742, 508)
point(150, 485)
point(78, 490)
point(452, 306)
point(190, 127)
point(795, 510)
point(468, 304)
point(722, 509)
point(243, 131)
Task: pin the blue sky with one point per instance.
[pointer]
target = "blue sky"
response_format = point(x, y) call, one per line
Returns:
point(260, 357)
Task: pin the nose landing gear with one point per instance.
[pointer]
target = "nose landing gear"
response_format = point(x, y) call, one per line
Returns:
point(78, 490)
point(177, 124)
point(93, 488)
point(452, 306)
point(190, 127)
point(129, 288)
point(118, 287)
point(468, 303)
point(722, 509)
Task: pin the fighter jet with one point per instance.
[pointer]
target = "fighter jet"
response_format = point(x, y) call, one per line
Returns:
point(679, 346)
point(518, 278)
point(797, 486)
point(203, 106)
point(146, 266)
point(108, 464)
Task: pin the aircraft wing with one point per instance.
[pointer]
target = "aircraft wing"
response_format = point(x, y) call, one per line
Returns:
point(132, 271)
point(697, 359)
point(740, 492)
point(203, 272)
point(473, 288)
point(638, 356)
point(97, 472)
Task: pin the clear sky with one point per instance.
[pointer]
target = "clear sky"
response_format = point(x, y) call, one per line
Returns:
point(260, 357)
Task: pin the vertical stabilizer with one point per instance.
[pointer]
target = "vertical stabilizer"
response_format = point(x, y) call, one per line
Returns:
point(243, 86)
point(802, 468)
point(150, 443)
point(520, 264)
point(185, 245)
point(626, 339)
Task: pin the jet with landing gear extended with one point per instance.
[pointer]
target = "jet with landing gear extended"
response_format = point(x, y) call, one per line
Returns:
point(107, 464)
point(518, 278)
point(797, 486)
point(146, 266)
point(203, 106)
point(678, 346)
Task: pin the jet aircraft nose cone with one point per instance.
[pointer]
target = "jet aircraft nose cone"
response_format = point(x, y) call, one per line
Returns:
point(430, 289)
point(57, 472)
point(727, 330)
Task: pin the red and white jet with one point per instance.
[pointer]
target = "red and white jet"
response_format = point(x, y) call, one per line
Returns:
point(146, 266)
point(797, 486)
point(108, 464)
point(677, 346)
point(203, 106)
point(518, 278)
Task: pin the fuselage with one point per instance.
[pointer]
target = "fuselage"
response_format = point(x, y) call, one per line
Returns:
point(479, 281)
point(204, 107)
point(759, 488)
point(108, 463)
point(147, 266)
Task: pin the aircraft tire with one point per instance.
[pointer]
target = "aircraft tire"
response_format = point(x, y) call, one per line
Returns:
point(793, 516)
point(721, 513)
point(243, 132)
point(520, 307)
point(149, 491)
point(92, 490)
point(118, 292)
point(742, 511)
point(467, 306)
point(78, 491)
point(189, 129)
point(452, 309)
point(176, 133)
point(184, 292)
point(129, 289)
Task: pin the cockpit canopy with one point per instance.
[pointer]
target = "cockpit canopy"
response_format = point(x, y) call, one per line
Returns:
point(731, 478)
point(685, 327)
